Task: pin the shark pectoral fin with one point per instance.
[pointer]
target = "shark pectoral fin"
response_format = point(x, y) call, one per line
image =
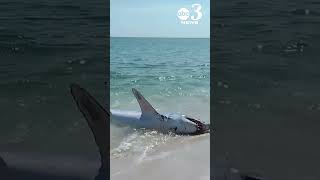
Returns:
point(97, 118)
point(144, 104)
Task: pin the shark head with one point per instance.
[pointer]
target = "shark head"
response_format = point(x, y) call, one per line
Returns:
point(183, 124)
point(202, 127)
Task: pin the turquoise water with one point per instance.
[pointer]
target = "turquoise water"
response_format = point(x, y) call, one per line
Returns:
point(174, 76)
point(161, 68)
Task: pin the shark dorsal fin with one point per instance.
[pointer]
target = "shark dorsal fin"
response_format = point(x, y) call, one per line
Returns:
point(144, 104)
point(97, 118)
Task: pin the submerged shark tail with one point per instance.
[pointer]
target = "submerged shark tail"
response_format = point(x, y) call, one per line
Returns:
point(144, 104)
point(97, 118)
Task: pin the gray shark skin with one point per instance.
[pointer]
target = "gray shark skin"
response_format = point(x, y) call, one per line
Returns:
point(149, 118)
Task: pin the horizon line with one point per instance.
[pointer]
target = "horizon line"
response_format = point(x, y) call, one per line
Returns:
point(158, 37)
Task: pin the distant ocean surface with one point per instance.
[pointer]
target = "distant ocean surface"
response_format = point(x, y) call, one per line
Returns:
point(266, 101)
point(174, 76)
point(169, 67)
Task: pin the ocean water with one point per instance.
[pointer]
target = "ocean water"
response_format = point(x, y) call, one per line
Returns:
point(45, 46)
point(174, 76)
point(266, 86)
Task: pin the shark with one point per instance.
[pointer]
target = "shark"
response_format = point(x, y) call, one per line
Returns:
point(149, 118)
point(24, 167)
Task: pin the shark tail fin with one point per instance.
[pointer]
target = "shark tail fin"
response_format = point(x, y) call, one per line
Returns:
point(97, 118)
point(144, 104)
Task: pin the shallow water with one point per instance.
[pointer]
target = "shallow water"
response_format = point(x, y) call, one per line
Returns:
point(173, 75)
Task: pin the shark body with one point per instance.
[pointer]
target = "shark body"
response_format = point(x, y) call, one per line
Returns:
point(149, 118)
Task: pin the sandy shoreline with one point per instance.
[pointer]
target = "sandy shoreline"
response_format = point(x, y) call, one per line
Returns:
point(181, 158)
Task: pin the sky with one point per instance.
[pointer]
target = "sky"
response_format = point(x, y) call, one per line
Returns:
point(157, 18)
